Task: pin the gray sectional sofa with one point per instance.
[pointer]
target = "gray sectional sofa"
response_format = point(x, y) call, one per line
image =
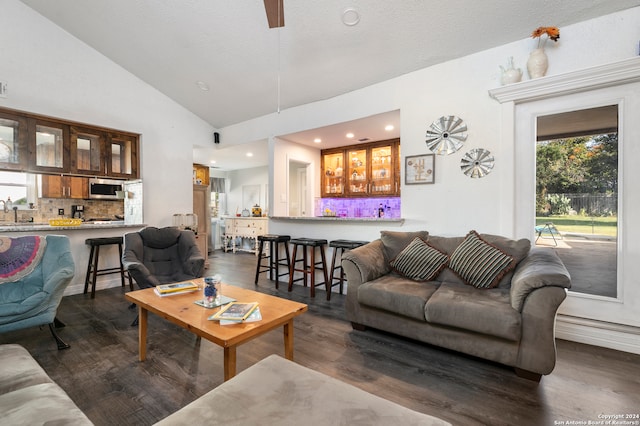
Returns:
point(483, 295)
point(275, 391)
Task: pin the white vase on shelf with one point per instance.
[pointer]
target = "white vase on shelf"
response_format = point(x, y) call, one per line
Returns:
point(538, 63)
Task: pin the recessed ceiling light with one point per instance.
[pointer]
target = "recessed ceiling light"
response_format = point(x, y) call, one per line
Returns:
point(350, 17)
point(317, 140)
point(350, 135)
point(213, 161)
point(202, 86)
point(389, 127)
point(249, 154)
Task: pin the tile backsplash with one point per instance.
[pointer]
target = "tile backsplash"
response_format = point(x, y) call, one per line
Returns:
point(358, 207)
point(47, 208)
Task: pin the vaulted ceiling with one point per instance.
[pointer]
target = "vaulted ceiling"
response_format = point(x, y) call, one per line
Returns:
point(220, 59)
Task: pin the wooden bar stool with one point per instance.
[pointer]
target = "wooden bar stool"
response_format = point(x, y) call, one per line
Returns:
point(339, 247)
point(309, 266)
point(273, 257)
point(92, 268)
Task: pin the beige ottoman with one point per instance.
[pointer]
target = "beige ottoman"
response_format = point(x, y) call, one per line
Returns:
point(276, 391)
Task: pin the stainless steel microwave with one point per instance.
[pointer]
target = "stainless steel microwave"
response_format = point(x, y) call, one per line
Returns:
point(105, 189)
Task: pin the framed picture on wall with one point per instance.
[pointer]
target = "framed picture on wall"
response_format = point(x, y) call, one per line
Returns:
point(419, 169)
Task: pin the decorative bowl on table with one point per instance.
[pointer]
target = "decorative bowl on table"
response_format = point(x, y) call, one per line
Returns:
point(65, 222)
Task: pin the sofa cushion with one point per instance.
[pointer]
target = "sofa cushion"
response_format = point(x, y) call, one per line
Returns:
point(479, 263)
point(398, 295)
point(488, 312)
point(394, 242)
point(28, 396)
point(419, 261)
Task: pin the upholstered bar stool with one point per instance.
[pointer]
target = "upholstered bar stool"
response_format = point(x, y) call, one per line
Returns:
point(339, 247)
point(309, 263)
point(274, 262)
point(92, 268)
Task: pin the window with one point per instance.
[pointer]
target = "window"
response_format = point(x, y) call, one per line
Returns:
point(18, 187)
point(577, 194)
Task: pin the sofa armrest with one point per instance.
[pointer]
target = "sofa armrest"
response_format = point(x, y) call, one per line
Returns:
point(542, 267)
point(194, 265)
point(369, 261)
point(138, 271)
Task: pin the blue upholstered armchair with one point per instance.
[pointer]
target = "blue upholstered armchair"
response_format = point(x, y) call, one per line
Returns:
point(34, 272)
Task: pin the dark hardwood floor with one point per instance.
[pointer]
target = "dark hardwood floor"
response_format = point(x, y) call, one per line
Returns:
point(101, 372)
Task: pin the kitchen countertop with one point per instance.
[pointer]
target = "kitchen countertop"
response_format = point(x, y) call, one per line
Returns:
point(43, 226)
point(338, 219)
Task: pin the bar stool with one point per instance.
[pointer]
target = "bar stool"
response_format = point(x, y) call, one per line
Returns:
point(339, 247)
point(92, 268)
point(274, 251)
point(309, 267)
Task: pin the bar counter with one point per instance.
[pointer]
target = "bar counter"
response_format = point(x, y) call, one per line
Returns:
point(79, 250)
point(333, 227)
point(339, 219)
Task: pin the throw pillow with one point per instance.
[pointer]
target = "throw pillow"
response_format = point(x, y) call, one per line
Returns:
point(419, 261)
point(479, 263)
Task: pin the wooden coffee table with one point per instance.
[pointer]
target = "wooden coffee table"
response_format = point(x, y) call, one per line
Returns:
point(181, 310)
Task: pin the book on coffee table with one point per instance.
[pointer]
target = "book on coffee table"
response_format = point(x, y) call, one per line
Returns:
point(235, 311)
point(175, 289)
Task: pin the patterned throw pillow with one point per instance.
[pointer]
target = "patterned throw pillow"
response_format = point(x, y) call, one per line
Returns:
point(419, 261)
point(479, 263)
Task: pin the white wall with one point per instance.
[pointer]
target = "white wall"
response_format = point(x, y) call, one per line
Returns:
point(237, 179)
point(50, 72)
point(455, 203)
point(281, 153)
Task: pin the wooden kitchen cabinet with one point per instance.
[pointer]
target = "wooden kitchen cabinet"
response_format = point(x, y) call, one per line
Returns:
point(49, 145)
point(53, 186)
point(366, 170)
point(201, 202)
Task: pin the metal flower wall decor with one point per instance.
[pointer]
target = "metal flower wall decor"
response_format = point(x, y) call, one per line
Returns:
point(477, 163)
point(446, 135)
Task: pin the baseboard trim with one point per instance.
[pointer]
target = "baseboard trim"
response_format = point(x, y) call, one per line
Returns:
point(78, 288)
point(598, 333)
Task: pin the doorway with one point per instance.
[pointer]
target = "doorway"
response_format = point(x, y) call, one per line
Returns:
point(299, 205)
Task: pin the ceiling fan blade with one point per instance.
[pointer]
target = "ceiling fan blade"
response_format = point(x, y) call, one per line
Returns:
point(275, 12)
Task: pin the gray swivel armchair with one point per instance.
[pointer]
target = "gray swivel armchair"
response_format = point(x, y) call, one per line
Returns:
point(34, 272)
point(156, 256)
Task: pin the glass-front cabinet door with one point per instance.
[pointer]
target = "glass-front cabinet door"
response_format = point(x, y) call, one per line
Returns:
point(122, 155)
point(384, 170)
point(332, 173)
point(357, 164)
point(13, 131)
point(87, 151)
point(49, 146)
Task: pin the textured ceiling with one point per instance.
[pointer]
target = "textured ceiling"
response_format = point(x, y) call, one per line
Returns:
point(228, 46)
point(172, 44)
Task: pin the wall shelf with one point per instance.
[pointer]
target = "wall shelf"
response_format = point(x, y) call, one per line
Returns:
point(601, 76)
